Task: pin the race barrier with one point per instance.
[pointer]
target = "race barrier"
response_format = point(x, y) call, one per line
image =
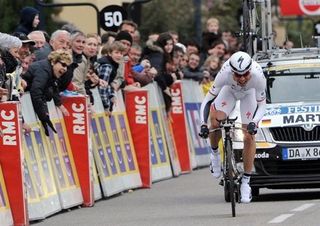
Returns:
point(160, 159)
point(113, 148)
point(94, 155)
point(199, 148)
point(179, 127)
point(42, 193)
point(65, 173)
point(5, 211)
point(11, 162)
point(78, 129)
point(137, 109)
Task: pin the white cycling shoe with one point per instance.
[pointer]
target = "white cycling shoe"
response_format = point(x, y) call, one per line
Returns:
point(245, 191)
point(215, 165)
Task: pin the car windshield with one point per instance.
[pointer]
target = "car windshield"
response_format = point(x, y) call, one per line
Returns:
point(294, 86)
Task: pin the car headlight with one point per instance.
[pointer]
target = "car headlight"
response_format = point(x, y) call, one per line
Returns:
point(238, 136)
point(260, 136)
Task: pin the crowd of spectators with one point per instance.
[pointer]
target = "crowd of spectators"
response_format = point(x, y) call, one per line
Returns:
point(69, 60)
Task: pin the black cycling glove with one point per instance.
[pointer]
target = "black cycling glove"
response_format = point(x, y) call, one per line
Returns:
point(204, 132)
point(45, 124)
point(252, 128)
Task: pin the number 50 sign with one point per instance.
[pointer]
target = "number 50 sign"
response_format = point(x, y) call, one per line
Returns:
point(111, 17)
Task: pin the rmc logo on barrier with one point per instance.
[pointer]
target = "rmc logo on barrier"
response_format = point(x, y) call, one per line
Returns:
point(8, 126)
point(141, 109)
point(78, 118)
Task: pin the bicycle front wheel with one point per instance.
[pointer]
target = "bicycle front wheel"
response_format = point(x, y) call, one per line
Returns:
point(231, 175)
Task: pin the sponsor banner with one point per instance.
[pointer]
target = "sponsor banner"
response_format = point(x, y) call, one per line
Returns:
point(42, 193)
point(96, 183)
point(105, 157)
point(5, 211)
point(171, 145)
point(11, 159)
point(299, 7)
point(160, 160)
point(179, 127)
point(121, 135)
point(137, 109)
point(200, 149)
point(299, 114)
point(77, 127)
point(113, 148)
point(63, 163)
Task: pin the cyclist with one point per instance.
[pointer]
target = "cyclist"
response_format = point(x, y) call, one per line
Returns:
point(240, 78)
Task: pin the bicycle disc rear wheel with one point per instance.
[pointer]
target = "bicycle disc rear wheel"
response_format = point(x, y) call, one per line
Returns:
point(230, 174)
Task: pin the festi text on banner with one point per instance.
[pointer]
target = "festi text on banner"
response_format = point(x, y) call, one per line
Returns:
point(77, 126)
point(137, 109)
point(11, 161)
point(179, 127)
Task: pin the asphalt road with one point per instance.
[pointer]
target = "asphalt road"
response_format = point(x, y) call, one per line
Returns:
point(193, 199)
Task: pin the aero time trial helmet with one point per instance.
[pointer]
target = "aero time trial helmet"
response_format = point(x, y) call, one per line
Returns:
point(240, 62)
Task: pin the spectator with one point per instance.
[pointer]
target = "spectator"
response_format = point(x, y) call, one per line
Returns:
point(160, 53)
point(184, 61)
point(108, 37)
point(78, 40)
point(10, 46)
point(38, 37)
point(210, 69)
point(42, 78)
point(29, 20)
point(125, 67)
point(60, 39)
point(107, 70)
point(175, 37)
point(212, 66)
point(192, 47)
point(128, 26)
point(91, 79)
point(27, 45)
point(211, 34)
point(141, 71)
point(218, 49)
point(136, 38)
point(3, 90)
point(192, 71)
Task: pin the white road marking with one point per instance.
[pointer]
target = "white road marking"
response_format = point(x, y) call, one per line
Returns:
point(303, 207)
point(281, 218)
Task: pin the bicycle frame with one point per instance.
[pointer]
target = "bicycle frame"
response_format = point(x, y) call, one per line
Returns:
point(231, 176)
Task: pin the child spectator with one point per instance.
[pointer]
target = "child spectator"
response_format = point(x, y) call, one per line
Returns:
point(210, 69)
point(29, 20)
point(107, 70)
point(211, 34)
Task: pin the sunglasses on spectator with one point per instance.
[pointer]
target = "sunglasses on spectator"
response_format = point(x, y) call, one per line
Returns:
point(243, 75)
point(63, 64)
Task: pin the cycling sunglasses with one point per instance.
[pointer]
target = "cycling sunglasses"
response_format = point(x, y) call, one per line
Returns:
point(243, 75)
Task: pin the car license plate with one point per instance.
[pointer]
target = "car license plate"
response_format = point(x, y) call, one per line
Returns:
point(301, 153)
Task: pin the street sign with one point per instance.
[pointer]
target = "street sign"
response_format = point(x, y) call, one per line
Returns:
point(111, 17)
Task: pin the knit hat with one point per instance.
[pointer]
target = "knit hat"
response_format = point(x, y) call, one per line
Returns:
point(123, 35)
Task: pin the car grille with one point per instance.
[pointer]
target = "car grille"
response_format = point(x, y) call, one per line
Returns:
point(292, 167)
point(295, 134)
